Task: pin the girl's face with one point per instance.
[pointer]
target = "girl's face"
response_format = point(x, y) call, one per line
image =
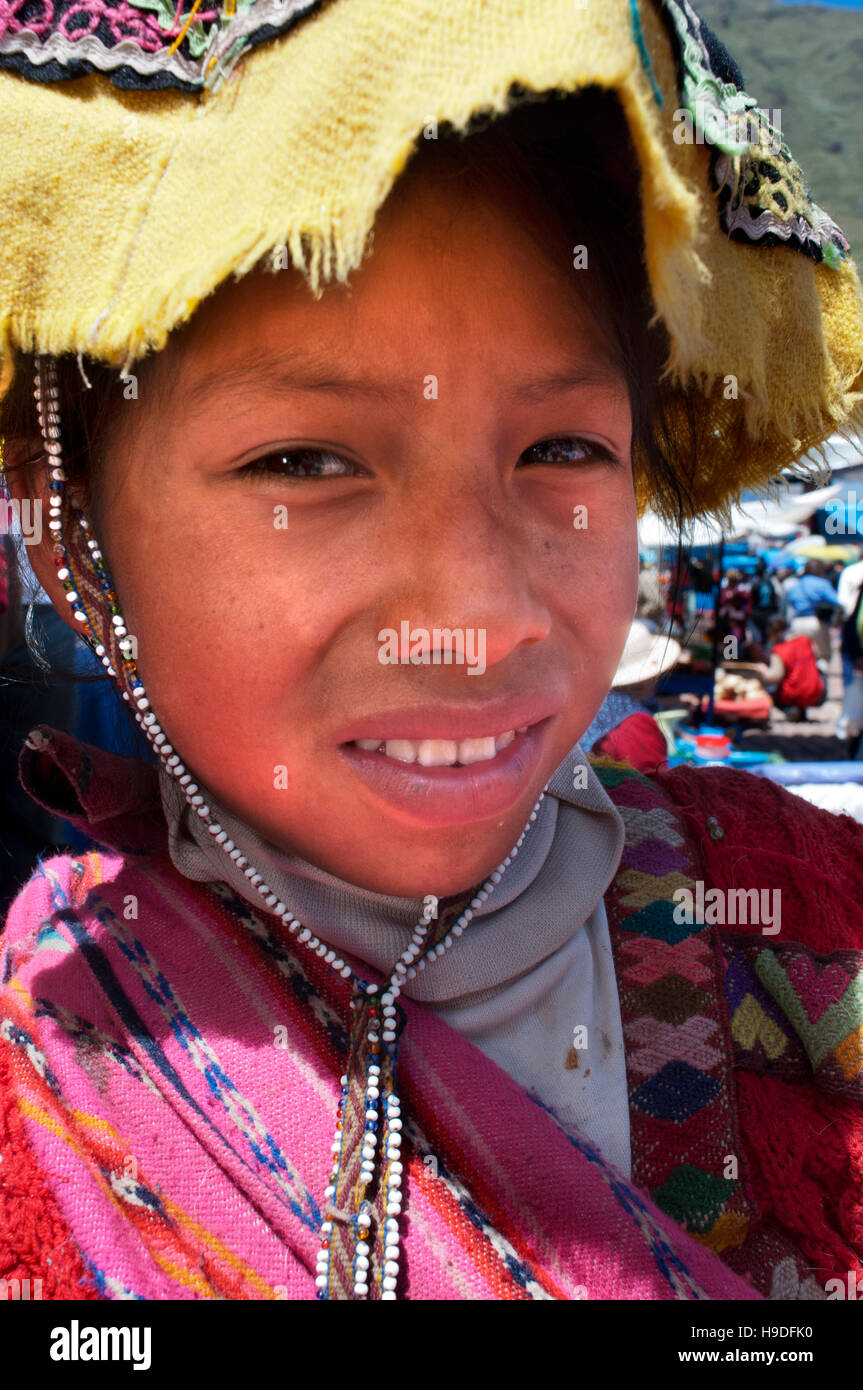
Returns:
point(400, 515)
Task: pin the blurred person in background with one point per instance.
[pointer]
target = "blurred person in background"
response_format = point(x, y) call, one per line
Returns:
point(849, 589)
point(651, 597)
point(812, 603)
point(735, 607)
point(765, 600)
point(793, 670)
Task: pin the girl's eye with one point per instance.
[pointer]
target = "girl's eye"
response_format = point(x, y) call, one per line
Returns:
point(322, 463)
point(567, 451)
point(301, 463)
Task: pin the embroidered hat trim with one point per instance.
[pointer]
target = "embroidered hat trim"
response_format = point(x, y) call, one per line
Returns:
point(135, 48)
point(763, 196)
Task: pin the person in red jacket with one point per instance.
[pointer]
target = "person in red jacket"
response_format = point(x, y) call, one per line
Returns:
point(794, 670)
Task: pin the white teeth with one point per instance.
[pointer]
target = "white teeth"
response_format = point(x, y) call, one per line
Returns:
point(522, 730)
point(476, 750)
point(401, 749)
point(439, 752)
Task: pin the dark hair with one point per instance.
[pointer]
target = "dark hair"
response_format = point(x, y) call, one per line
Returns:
point(572, 157)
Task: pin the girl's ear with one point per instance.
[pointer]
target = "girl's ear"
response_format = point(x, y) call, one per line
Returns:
point(26, 470)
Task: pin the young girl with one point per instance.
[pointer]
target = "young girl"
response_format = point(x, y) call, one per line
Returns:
point(373, 987)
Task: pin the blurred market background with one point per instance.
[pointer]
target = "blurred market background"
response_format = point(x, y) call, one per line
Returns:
point(746, 650)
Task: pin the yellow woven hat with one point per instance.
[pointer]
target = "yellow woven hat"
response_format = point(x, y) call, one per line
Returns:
point(152, 149)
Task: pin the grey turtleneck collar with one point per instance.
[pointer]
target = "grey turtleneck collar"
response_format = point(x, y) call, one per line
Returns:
point(568, 859)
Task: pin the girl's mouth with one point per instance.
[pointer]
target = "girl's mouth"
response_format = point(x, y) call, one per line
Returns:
point(441, 752)
point(439, 782)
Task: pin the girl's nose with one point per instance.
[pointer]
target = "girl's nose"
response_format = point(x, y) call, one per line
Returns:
point(469, 562)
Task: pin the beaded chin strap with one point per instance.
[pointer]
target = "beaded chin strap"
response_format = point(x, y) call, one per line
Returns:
point(359, 1253)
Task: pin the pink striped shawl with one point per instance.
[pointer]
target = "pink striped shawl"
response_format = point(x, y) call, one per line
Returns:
point(178, 1074)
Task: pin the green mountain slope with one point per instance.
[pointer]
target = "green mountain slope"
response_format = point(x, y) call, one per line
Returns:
point(807, 60)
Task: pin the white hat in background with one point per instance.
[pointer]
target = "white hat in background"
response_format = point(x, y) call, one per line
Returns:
point(646, 656)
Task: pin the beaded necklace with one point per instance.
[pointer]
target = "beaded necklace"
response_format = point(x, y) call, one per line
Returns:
point(359, 1251)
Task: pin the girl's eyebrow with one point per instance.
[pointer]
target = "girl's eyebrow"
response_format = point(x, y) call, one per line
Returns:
point(300, 370)
point(598, 374)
